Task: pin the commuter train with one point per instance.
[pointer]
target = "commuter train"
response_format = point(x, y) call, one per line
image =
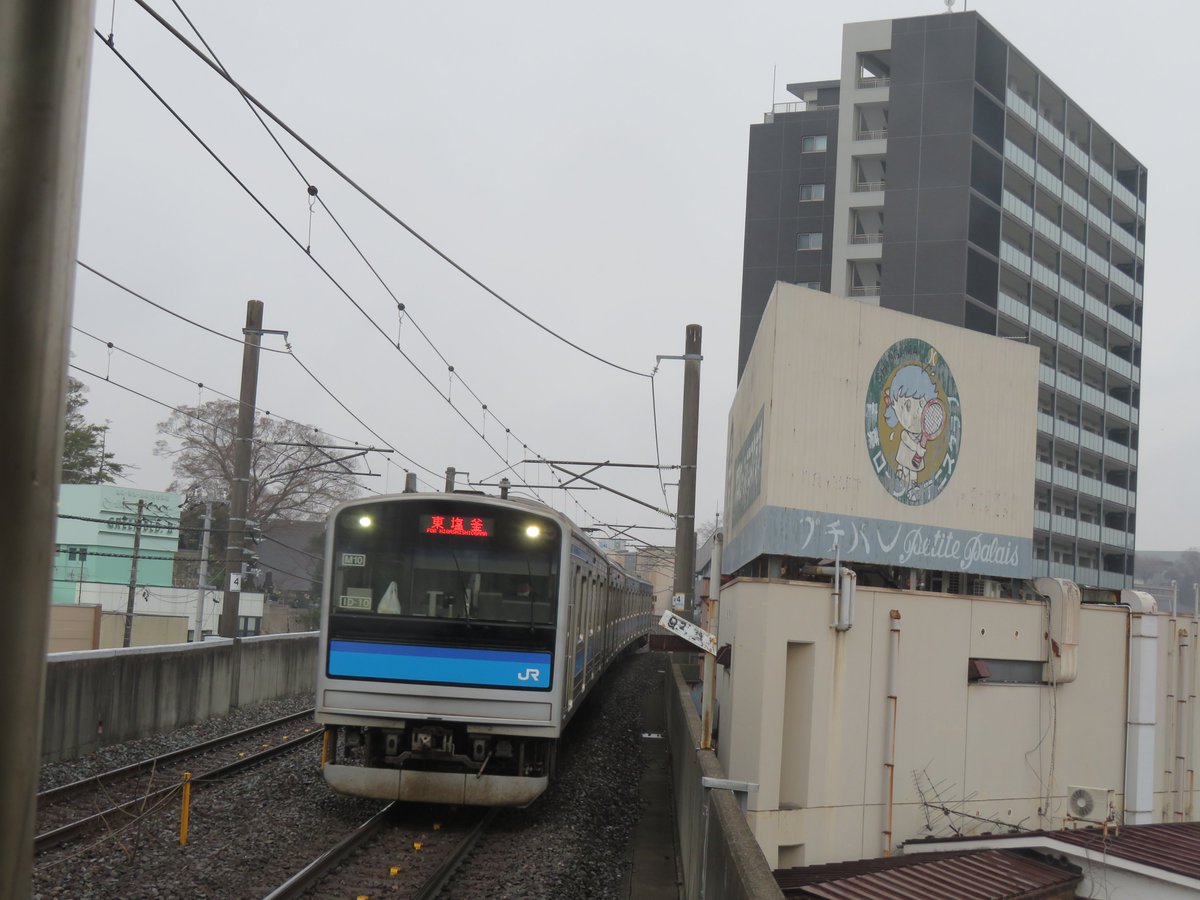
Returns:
point(459, 634)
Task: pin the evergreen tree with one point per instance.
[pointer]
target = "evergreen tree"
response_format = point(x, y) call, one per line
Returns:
point(84, 459)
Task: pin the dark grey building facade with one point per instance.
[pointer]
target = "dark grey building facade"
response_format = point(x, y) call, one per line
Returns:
point(942, 174)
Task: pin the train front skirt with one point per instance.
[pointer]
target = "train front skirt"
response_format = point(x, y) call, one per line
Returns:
point(457, 788)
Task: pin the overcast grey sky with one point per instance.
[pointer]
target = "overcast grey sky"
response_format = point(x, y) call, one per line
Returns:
point(588, 163)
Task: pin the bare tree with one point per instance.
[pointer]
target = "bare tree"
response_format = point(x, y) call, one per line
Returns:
point(286, 482)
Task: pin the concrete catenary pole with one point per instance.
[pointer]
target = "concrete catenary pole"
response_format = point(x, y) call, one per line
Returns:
point(685, 524)
point(709, 689)
point(133, 567)
point(200, 590)
point(45, 57)
point(239, 490)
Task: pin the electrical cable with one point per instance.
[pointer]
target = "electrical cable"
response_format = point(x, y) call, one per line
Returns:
point(169, 312)
point(321, 267)
point(313, 192)
point(296, 241)
point(250, 98)
point(184, 411)
point(288, 352)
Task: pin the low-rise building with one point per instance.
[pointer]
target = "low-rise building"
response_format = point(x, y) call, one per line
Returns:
point(895, 669)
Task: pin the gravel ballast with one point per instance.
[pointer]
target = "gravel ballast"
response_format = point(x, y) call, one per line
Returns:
point(250, 833)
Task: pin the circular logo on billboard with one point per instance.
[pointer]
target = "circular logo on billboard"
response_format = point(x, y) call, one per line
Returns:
point(913, 421)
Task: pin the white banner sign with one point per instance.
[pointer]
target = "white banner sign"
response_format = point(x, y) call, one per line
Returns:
point(691, 633)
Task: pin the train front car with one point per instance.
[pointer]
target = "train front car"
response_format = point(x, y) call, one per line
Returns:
point(439, 679)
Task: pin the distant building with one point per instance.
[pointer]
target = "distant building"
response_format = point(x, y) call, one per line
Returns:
point(95, 533)
point(93, 565)
point(943, 175)
point(291, 555)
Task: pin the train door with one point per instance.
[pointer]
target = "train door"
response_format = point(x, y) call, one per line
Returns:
point(569, 631)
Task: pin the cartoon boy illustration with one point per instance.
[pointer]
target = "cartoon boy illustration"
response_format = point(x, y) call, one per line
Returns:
point(912, 402)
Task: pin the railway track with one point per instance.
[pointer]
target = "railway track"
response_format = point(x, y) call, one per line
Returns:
point(166, 769)
point(381, 826)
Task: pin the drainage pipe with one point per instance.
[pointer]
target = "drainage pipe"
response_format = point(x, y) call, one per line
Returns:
point(1191, 720)
point(1141, 711)
point(889, 732)
point(1181, 697)
point(844, 583)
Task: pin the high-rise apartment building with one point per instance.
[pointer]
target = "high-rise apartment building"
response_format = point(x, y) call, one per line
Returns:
point(944, 175)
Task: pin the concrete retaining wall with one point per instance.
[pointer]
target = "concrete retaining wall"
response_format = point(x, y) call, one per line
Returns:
point(719, 856)
point(100, 697)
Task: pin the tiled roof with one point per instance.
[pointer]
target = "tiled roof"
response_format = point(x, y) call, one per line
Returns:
point(960, 875)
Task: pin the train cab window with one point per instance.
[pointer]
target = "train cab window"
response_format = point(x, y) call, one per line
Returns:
point(403, 568)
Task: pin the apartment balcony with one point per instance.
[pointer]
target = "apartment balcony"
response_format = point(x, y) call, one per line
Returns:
point(1075, 200)
point(1018, 207)
point(1015, 257)
point(1093, 487)
point(879, 134)
point(1062, 525)
point(1011, 306)
point(878, 82)
point(872, 238)
point(1021, 108)
point(866, 290)
point(1125, 195)
point(1112, 580)
point(1020, 158)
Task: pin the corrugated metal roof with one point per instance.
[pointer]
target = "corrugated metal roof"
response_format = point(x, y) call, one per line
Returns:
point(1170, 846)
point(1173, 846)
point(964, 875)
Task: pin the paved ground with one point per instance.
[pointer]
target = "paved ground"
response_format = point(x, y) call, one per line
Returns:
point(654, 872)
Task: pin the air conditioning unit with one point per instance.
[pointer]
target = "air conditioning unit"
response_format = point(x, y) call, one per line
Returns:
point(1090, 804)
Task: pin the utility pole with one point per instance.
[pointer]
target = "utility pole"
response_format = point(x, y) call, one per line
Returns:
point(685, 516)
point(240, 488)
point(137, 543)
point(45, 58)
point(199, 633)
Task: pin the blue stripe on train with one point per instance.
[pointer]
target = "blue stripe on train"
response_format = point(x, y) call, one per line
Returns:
point(441, 665)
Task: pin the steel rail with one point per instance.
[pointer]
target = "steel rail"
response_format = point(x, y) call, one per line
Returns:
point(437, 882)
point(311, 875)
point(137, 768)
point(50, 839)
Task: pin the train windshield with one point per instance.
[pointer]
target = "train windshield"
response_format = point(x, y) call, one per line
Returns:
point(441, 569)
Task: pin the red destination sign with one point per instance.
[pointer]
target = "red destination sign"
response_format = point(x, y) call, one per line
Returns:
point(461, 526)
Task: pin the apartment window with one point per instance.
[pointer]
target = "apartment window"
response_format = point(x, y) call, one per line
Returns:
point(808, 240)
point(811, 192)
point(813, 143)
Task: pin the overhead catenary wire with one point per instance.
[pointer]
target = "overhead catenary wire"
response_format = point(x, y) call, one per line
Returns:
point(296, 241)
point(315, 195)
point(288, 352)
point(338, 285)
point(184, 411)
point(250, 98)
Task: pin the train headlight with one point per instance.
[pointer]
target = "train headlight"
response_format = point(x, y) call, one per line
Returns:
point(365, 521)
point(533, 531)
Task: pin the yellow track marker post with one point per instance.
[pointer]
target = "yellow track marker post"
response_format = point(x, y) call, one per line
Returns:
point(187, 803)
